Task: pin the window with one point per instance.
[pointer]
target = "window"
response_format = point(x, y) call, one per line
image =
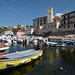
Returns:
point(68, 16)
point(71, 21)
point(68, 21)
point(37, 20)
point(52, 25)
point(40, 24)
point(44, 22)
point(64, 26)
point(64, 17)
point(64, 22)
point(74, 25)
point(59, 26)
point(44, 19)
point(49, 13)
point(68, 26)
point(40, 20)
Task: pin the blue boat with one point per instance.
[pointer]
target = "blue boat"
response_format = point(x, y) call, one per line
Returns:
point(69, 42)
point(59, 44)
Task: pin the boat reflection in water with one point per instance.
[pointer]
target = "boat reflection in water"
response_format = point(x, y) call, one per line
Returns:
point(24, 69)
point(60, 58)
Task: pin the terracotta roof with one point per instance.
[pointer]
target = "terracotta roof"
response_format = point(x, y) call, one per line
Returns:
point(56, 18)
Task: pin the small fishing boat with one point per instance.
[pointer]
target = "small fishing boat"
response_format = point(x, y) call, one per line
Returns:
point(35, 41)
point(49, 43)
point(69, 42)
point(4, 47)
point(58, 45)
point(12, 60)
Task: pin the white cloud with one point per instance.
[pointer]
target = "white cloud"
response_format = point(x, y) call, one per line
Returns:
point(58, 14)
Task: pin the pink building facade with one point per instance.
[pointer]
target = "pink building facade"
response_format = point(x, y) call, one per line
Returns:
point(19, 33)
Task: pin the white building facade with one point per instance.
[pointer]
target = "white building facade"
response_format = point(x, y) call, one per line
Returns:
point(7, 33)
point(68, 23)
point(29, 31)
point(51, 27)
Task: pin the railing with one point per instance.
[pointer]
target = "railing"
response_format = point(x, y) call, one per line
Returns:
point(68, 23)
point(67, 18)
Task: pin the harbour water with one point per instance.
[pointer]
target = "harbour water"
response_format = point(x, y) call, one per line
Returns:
point(54, 61)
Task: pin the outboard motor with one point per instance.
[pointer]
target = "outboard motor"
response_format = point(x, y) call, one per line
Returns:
point(38, 45)
point(25, 42)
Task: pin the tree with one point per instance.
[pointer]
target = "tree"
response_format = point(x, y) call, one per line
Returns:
point(15, 31)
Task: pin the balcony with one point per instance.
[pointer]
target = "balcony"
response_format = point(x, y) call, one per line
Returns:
point(68, 23)
point(68, 18)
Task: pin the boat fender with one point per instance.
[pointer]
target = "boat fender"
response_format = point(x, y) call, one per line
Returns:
point(0, 57)
point(61, 68)
point(40, 45)
point(70, 44)
point(10, 64)
point(41, 54)
point(23, 61)
point(34, 58)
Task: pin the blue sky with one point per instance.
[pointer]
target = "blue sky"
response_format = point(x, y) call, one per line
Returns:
point(15, 12)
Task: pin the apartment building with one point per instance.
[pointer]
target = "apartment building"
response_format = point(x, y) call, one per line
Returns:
point(68, 23)
point(51, 24)
point(51, 28)
point(39, 22)
point(21, 27)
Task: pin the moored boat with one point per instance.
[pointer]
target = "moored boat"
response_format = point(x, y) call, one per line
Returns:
point(49, 43)
point(18, 58)
point(4, 47)
point(59, 45)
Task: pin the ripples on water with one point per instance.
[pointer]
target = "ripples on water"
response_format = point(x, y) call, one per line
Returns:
point(53, 59)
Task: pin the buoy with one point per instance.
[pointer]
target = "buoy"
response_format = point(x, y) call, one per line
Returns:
point(34, 58)
point(41, 54)
point(61, 68)
point(10, 64)
point(0, 56)
point(33, 39)
point(23, 61)
point(40, 45)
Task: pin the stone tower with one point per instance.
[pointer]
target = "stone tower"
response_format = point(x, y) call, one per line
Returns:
point(50, 15)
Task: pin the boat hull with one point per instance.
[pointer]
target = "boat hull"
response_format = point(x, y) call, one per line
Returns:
point(4, 48)
point(14, 63)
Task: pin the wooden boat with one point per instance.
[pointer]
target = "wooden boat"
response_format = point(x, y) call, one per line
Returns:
point(4, 47)
point(18, 58)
